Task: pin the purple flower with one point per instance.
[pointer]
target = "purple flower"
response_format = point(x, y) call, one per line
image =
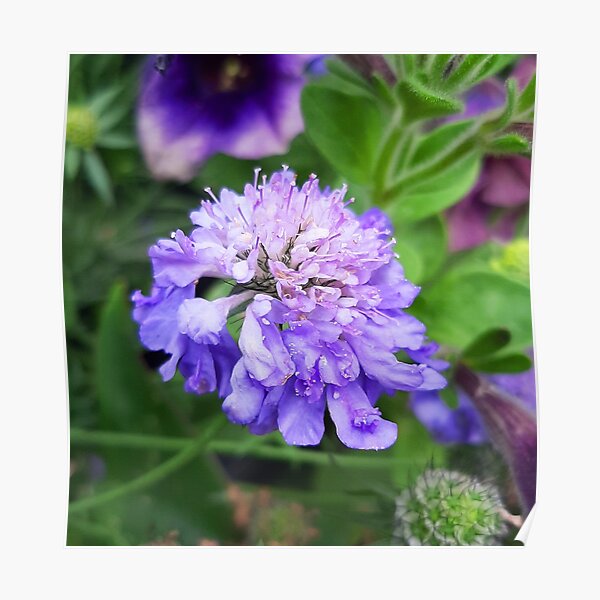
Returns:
point(463, 424)
point(499, 198)
point(324, 302)
point(511, 427)
point(193, 106)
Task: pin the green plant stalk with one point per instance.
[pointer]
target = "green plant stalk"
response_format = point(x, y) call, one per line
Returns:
point(111, 439)
point(187, 452)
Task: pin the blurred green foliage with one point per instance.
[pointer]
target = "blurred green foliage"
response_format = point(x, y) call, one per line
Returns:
point(388, 142)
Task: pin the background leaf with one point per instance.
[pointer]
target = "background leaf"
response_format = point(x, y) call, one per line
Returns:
point(346, 129)
point(438, 192)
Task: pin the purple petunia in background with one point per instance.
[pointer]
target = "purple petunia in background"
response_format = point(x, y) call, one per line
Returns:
point(324, 312)
point(193, 106)
point(499, 199)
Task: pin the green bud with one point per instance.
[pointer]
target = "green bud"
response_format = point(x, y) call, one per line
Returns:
point(514, 260)
point(446, 508)
point(82, 127)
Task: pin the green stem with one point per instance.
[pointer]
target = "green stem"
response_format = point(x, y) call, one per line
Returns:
point(187, 452)
point(232, 448)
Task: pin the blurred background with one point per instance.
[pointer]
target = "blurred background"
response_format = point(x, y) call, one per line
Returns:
point(441, 142)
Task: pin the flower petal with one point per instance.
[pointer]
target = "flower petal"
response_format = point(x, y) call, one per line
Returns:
point(245, 401)
point(301, 420)
point(359, 424)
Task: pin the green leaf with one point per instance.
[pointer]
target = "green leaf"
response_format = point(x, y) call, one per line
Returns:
point(114, 114)
point(422, 247)
point(439, 65)
point(436, 193)
point(72, 161)
point(408, 64)
point(97, 176)
point(225, 171)
point(509, 143)
point(70, 303)
point(526, 101)
point(122, 382)
point(441, 141)
point(421, 102)
point(116, 141)
point(383, 90)
point(509, 363)
point(505, 117)
point(346, 130)
point(345, 79)
point(468, 70)
point(464, 304)
point(102, 100)
point(497, 63)
point(487, 343)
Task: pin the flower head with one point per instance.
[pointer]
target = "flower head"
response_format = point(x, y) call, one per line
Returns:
point(324, 302)
point(82, 127)
point(446, 508)
point(193, 106)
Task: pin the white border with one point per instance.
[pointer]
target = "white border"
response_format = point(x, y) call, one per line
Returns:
point(564, 255)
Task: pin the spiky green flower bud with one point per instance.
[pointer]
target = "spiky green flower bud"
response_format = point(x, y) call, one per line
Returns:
point(82, 127)
point(446, 508)
point(514, 259)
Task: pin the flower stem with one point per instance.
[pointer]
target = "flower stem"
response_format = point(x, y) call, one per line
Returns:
point(189, 450)
point(233, 448)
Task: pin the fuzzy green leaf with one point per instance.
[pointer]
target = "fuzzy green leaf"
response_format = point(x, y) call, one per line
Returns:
point(421, 102)
point(509, 143)
point(468, 70)
point(526, 101)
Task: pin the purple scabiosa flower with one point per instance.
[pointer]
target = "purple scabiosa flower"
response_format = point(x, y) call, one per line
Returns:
point(324, 302)
point(463, 424)
point(193, 106)
point(500, 196)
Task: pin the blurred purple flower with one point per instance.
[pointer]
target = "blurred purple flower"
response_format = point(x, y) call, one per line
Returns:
point(324, 300)
point(193, 106)
point(492, 208)
point(463, 424)
point(512, 429)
